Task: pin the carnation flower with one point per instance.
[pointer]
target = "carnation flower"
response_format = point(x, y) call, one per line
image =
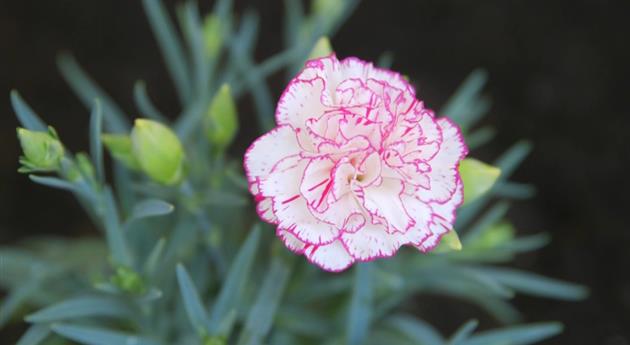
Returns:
point(357, 166)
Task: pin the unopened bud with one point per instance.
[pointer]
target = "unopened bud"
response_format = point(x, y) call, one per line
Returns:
point(42, 150)
point(158, 151)
point(221, 121)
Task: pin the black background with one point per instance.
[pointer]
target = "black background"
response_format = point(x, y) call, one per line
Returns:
point(558, 76)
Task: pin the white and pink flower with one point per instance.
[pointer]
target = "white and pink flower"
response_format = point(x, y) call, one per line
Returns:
point(357, 166)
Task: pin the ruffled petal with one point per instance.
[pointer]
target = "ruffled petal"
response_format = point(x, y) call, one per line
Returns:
point(444, 175)
point(289, 206)
point(384, 203)
point(290, 241)
point(331, 257)
point(301, 100)
point(371, 242)
point(264, 208)
point(268, 150)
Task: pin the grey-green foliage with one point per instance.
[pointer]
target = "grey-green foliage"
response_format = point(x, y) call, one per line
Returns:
point(176, 267)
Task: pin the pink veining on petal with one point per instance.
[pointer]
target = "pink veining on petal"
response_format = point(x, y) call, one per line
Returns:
point(357, 167)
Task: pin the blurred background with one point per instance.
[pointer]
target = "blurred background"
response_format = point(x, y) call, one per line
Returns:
point(559, 76)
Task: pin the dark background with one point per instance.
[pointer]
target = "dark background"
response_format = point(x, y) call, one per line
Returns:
point(558, 76)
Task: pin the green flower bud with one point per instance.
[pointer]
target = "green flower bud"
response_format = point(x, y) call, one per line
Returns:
point(322, 48)
point(42, 150)
point(128, 280)
point(212, 35)
point(121, 148)
point(478, 178)
point(221, 121)
point(79, 169)
point(158, 151)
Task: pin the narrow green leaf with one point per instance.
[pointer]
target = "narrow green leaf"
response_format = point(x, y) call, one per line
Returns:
point(124, 186)
point(293, 19)
point(516, 335)
point(34, 335)
point(222, 8)
point(359, 314)
point(536, 285)
point(115, 119)
point(154, 257)
point(514, 190)
point(486, 283)
point(310, 322)
point(477, 177)
point(53, 182)
point(99, 336)
point(464, 105)
point(226, 324)
point(415, 329)
point(507, 162)
point(385, 60)
point(261, 316)
point(15, 299)
point(512, 158)
point(151, 208)
point(239, 48)
point(268, 67)
point(237, 277)
point(480, 137)
point(490, 217)
point(58, 183)
point(116, 240)
point(171, 48)
point(463, 332)
point(192, 302)
point(192, 28)
point(527, 243)
point(96, 147)
point(144, 104)
point(81, 307)
point(25, 114)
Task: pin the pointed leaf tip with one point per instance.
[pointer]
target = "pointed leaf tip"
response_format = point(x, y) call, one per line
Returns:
point(478, 177)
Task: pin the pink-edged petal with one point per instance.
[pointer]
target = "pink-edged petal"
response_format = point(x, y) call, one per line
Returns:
point(354, 222)
point(301, 100)
point(316, 185)
point(296, 218)
point(352, 126)
point(293, 243)
point(384, 202)
point(371, 242)
point(421, 212)
point(444, 175)
point(342, 174)
point(370, 170)
point(430, 128)
point(324, 67)
point(345, 214)
point(447, 209)
point(264, 208)
point(283, 186)
point(268, 150)
point(438, 229)
point(331, 257)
